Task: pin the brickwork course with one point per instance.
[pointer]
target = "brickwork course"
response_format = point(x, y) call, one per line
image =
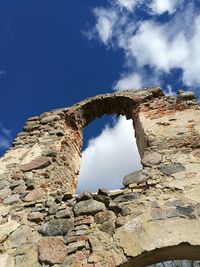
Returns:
point(155, 217)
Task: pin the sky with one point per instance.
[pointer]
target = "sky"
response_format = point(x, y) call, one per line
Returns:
point(56, 53)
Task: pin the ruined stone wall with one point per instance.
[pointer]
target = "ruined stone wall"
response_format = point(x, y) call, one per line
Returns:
point(154, 217)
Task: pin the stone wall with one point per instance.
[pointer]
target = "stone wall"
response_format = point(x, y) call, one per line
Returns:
point(154, 217)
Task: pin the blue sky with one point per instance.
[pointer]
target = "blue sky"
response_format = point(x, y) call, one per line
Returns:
point(56, 53)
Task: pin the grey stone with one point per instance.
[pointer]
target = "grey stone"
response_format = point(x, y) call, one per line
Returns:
point(11, 199)
point(3, 184)
point(83, 196)
point(108, 227)
point(6, 192)
point(185, 210)
point(186, 95)
point(172, 168)
point(21, 237)
point(88, 207)
point(65, 213)
point(127, 197)
point(73, 247)
point(151, 158)
point(49, 119)
point(53, 209)
point(31, 126)
point(49, 153)
point(134, 177)
point(56, 227)
point(103, 191)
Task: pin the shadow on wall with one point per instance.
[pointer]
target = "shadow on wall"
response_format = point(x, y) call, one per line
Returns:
point(109, 157)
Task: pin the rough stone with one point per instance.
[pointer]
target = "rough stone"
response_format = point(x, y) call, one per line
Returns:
point(11, 199)
point(108, 227)
point(134, 177)
point(6, 260)
point(7, 228)
point(172, 168)
point(37, 163)
point(104, 216)
point(56, 227)
point(52, 250)
point(73, 247)
point(32, 125)
point(127, 197)
point(65, 213)
point(34, 195)
point(151, 158)
point(88, 207)
point(186, 95)
point(3, 184)
point(35, 217)
point(22, 236)
point(49, 119)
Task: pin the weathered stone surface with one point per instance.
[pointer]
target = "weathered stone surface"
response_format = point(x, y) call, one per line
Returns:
point(108, 227)
point(73, 247)
point(151, 158)
point(127, 197)
point(104, 216)
point(22, 236)
point(32, 125)
point(34, 195)
point(6, 260)
point(134, 177)
point(172, 168)
point(186, 95)
point(57, 227)
point(88, 207)
point(65, 213)
point(49, 119)
point(37, 163)
point(35, 216)
point(52, 250)
point(6, 192)
point(3, 184)
point(11, 199)
point(7, 228)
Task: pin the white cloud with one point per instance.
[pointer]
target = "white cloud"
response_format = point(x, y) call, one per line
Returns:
point(128, 4)
point(153, 45)
point(131, 81)
point(161, 6)
point(5, 137)
point(4, 142)
point(109, 157)
point(105, 22)
point(160, 45)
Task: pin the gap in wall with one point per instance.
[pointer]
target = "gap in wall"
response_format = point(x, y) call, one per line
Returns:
point(109, 153)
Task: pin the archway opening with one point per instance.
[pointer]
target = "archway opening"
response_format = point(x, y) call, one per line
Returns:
point(177, 263)
point(109, 153)
point(182, 255)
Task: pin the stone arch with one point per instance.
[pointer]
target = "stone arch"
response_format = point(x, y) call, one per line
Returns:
point(179, 252)
point(147, 242)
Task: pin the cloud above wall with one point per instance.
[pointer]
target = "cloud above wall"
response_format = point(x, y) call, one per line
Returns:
point(153, 45)
point(109, 157)
point(5, 137)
